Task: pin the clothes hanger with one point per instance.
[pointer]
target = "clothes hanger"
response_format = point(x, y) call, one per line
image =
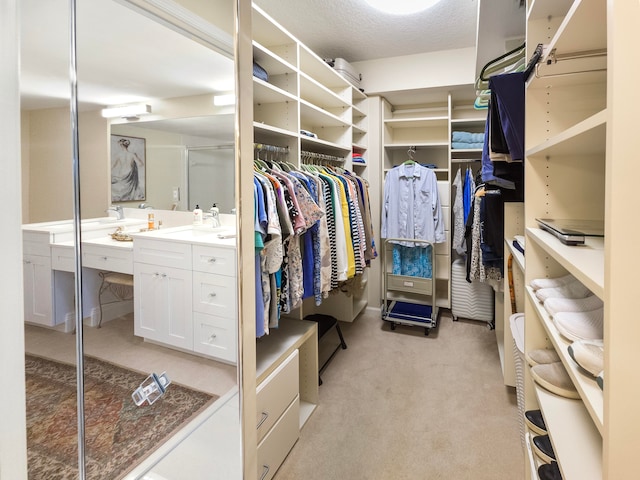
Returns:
point(502, 61)
point(410, 153)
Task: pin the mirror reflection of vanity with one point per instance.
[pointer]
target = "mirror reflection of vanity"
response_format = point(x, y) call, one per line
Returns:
point(127, 55)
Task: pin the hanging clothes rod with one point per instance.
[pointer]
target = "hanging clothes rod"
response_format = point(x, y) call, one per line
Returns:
point(555, 58)
point(306, 156)
point(263, 147)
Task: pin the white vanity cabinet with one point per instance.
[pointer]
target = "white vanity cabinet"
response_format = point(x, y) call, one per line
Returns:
point(40, 280)
point(214, 302)
point(162, 292)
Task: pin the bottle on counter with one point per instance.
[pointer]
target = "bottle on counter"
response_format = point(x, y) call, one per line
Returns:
point(197, 215)
point(151, 223)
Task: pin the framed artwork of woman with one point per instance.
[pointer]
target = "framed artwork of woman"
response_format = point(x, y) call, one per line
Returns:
point(128, 161)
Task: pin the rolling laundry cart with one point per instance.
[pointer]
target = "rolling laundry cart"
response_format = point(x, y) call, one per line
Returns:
point(408, 300)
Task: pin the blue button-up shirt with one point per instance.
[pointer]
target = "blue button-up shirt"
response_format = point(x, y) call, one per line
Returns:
point(411, 205)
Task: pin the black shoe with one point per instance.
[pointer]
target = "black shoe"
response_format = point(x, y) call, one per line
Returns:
point(549, 471)
point(535, 422)
point(542, 447)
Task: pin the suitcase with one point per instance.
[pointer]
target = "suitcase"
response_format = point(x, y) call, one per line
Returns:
point(345, 69)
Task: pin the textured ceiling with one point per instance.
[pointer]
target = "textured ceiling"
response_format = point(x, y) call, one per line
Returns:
point(352, 30)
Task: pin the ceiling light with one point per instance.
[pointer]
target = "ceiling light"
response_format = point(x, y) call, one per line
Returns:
point(126, 111)
point(224, 100)
point(401, 7)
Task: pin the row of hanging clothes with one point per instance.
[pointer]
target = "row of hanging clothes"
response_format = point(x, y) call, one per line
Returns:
point(479, 202)
point(313, 231)
point(478, 223)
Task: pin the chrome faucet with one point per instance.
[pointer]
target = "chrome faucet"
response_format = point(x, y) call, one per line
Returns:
point(118, 210)
point(145, 205)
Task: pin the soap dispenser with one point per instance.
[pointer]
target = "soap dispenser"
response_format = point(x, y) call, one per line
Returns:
point(197, 216)
point(215, 215)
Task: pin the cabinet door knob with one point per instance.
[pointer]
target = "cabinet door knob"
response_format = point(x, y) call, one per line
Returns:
point(27, 262)
point(212, 337)
point(105, 258)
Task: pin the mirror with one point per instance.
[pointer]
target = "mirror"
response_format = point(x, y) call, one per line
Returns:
point(133, 52)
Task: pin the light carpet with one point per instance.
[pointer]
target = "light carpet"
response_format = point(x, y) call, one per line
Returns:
point(400, 405)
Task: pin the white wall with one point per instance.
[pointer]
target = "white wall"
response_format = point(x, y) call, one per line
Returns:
point(419, 71)
point(13, 442)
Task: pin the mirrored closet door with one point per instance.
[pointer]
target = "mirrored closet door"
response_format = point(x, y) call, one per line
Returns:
point(157, 291)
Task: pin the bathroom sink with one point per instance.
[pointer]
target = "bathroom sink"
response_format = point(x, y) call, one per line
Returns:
point(196, 233)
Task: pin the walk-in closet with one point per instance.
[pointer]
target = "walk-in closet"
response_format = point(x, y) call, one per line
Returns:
point(324, 240)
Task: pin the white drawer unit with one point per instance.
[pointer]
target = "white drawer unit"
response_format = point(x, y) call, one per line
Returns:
point(276, 392)
point(278, 442)
point(214, 294)
point(219, 260)
point(162, 253)
point(107, 258)
point(63, 258)
point(215, 336)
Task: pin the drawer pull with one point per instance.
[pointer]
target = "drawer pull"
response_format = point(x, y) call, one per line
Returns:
point(265, 415)
point(264, 472)
point(105, 258)
point(212, 294)
point(212, 260)
point(212, 337)
point(27, 262)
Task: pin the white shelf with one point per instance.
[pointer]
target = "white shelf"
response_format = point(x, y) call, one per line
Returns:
point(586, 138)
point(273, 131)
point(272, 63)
point(406, 145)
point(585, 262)
point(264, 92)
point(466, 151)
point(312, 115)
point(418, 122)
point(592, 396)
point(317, 68)
point(576, 442)
point(319, 95)
point(323, 146)
point(583, 16)
point(518, 257)
point(543, 9)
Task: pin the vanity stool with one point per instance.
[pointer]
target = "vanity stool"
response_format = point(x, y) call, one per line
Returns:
point(326, 323)
point(119, 284)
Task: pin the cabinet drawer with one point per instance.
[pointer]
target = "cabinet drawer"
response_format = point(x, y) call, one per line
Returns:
point(107, 258)
point(276, 445)
point(403, 283)
point(215, 336)
point(214, 294)
point(214, 260)
point(63, 258)
point(158, 252)
point(275, 393)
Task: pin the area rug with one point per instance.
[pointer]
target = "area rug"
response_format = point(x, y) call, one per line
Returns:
point(118, 433)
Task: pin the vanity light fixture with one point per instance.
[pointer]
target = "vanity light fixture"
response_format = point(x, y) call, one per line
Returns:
point(131, 111)
point(401, 7)
point(224, 100)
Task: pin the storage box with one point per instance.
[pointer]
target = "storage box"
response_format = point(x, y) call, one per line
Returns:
point(345, 69)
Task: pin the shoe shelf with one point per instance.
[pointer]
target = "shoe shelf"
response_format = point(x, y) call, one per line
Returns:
point(518, 257)
point(586, 385)
point(585, 262)
point(577, 444)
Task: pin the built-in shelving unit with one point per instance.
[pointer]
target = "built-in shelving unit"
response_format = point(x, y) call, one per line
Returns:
point(579, 164)
point(302, 93)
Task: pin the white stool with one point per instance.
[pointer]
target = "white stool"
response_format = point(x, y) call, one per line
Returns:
point(119, 284)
